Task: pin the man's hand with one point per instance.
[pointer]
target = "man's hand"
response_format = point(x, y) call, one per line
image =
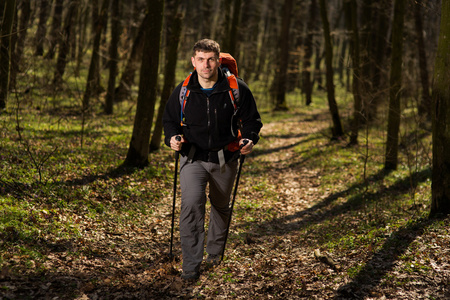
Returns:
point(176, 142)
point(248, 148)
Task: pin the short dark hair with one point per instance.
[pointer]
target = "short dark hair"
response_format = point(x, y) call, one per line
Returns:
point(207, 45)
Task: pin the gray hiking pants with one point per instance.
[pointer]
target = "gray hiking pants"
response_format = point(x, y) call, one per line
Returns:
point(193, 180)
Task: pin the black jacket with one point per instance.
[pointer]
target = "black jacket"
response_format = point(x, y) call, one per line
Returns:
point(208, 120)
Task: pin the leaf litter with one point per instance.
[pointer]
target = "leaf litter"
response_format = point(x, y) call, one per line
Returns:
point(292, 237)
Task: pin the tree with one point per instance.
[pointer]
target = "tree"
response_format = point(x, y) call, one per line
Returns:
point(55, 35)
point(64, 43)
point(92, 83)
point(337, 126)
point(169, 78)
point(42, 27)
point(306, 73)
point(440, 188)
point(425, 102)
point(137, 155)
point(20, 45)
point(127, 80)
point(391, 159)
point(8, 11)
point(113, 56)
point(283, 58)
point(351, 7)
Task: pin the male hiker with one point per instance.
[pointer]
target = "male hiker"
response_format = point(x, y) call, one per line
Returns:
point(207, 119)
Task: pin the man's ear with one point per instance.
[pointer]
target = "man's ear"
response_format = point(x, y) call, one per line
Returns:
point(192, 61)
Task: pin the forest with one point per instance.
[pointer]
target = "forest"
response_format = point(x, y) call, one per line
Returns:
point(346, 195)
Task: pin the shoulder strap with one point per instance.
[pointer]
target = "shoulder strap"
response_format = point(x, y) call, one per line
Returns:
point(234, 93)
point(184, 94)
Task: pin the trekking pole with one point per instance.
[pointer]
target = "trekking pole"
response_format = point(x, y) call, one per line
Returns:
point(241, 162)
point(177, 155)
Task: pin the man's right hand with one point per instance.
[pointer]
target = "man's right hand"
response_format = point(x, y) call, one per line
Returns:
point(176, 142)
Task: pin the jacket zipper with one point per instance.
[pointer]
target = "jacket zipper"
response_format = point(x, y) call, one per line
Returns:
point(209, 123)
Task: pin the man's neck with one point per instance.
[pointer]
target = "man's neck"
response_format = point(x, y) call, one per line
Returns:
point(207, 83)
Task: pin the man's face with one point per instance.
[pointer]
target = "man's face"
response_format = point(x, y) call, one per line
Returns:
point(206, 64)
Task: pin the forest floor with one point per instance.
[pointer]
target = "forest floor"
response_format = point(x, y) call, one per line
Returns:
point(313, 219)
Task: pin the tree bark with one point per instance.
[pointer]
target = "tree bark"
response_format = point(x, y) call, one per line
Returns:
point(391, 159)
point(93, 75)
point(281, 73)
point(113, 56)
point(23, 29)
point(337, 127)
point(306, 74)
point(55, 35)
point(169, 79)
point(425, 102)
point(127, 80)
point(64, 46)
point(440, 187)
point(42, 28)
point(351, 8)
point(137, 155)
point(5, 49)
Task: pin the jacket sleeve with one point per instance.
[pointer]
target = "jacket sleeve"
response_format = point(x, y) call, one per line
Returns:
point(171, 117)
point(248, 114)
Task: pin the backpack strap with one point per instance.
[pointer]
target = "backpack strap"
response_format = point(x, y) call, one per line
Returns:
point(184, 94)
point(234, 92)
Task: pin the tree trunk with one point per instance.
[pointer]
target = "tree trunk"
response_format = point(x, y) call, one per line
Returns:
point(92, 80)
point(127, 80)
point(440, 188)
point(139, 145)
point(64, 46)
point(5, 49)
point(281, 73)
point(113, 56)
point(55, 35)
point(425, 102)
point(306, 74)
point(42, 27)
point(383, 13)
point(169, 78)
point(337, 127)
point(391, 160)
point(351, 8)
point(23, 29)
point(233, 37)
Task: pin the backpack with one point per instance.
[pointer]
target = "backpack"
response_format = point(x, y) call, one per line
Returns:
point(229, 65)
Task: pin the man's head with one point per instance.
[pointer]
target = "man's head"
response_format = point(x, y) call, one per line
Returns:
point(206, 45)
point(206, 61)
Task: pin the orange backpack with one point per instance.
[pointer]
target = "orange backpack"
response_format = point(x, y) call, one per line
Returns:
point(229, 65)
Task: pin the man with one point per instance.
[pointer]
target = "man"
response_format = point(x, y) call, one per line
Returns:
point(202, 132)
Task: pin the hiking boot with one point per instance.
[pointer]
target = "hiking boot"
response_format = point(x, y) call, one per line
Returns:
point(193, 275)
point(213, 259)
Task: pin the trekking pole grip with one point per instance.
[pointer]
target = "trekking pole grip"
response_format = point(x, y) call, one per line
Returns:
point(177, 153)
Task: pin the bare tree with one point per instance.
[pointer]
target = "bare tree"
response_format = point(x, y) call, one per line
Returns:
point(283, 57)
point(113, 56)
point(92, 83)
point(306, 73)
point(425, 102)
point(139, 145)
point(352, 20)
point(42, 27)
point(8, 11)
point(440, 189)
point(391, 159)
point(337, 126)
point(169, 77)
point(64, 43)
